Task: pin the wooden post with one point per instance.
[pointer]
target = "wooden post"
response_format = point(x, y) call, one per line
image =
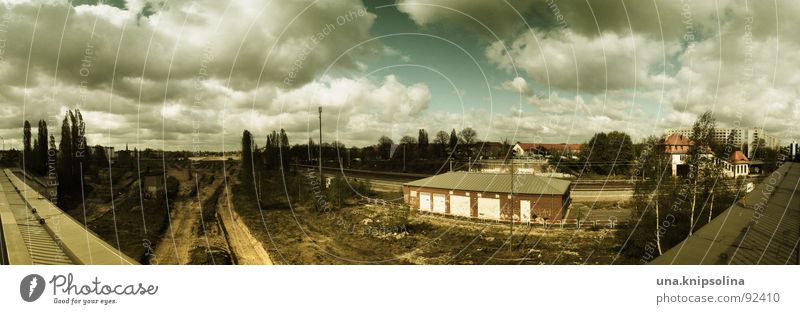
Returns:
point(321, 178)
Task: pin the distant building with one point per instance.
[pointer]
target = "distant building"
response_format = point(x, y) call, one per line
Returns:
point(736, 165)
point(794, 151)
point(739, 137)
point(677, 146)
point(488, 196)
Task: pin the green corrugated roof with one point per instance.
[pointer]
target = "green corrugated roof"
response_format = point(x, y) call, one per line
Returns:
point(494, 182)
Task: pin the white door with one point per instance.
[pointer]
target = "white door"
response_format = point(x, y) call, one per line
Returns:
point(425, 201)
point(489, 208)
point(459, 206)
point(525, 210)
point(438, 203)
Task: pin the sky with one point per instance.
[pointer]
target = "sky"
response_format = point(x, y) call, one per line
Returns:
point(192, 75)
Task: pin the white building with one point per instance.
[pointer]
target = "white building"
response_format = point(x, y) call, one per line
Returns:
point(677, 147)
point(741, 136)
point(736, 165)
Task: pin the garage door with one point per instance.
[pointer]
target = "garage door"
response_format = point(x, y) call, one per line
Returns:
point(438, 203)
point(459, 206)
point(525, 210)
point(488, 208)
point(425, 201)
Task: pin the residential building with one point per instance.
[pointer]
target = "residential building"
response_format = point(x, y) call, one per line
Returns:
point(739, 137)
point(677, 146)
point(737, 165)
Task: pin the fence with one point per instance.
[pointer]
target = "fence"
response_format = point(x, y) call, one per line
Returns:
point(560, 223)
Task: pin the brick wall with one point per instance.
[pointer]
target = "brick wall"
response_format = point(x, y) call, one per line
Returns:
point(543, 206)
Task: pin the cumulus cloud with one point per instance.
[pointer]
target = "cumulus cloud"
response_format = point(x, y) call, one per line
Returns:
point(355, 108)
point(580, 63)
point(517, 85)
point(149, 69)
point(139, 60)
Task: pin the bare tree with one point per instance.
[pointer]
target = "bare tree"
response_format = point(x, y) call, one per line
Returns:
point(385, 146)
point(441, 142)
point(702, 138)
point(422, 143)
point(467, 138)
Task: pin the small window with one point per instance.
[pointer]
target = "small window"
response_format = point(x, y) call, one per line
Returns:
point(413, 193)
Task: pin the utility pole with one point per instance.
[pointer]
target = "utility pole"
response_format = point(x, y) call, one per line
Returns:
point(321, 178)
point(511, 213)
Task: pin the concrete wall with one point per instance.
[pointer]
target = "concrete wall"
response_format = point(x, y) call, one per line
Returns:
point(548, 207)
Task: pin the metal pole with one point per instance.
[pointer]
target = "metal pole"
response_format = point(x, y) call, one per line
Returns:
point(321, 179)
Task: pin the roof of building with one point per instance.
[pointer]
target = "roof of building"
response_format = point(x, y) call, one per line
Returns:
point(677, 139)
point(764, 231)
point(494, 182)
point(561, 146)
point(738, 157)
point(677, 144)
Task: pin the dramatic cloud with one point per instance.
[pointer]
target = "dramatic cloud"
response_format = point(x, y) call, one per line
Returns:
point(166, 73)
point(671, 59)
point(129, 60)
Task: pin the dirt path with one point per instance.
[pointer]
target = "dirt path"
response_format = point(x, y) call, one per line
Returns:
point(247, 249)
point(181, 237)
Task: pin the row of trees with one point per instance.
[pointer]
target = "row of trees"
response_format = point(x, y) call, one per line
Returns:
point(267, 171)
point(36, 158)
point(67, 162)
point(458, 144)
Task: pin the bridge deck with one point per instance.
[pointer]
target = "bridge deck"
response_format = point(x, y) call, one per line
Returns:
point(37, 232)
point(765, 231)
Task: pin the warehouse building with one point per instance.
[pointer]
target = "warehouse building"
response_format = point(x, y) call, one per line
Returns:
point(487, 196)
